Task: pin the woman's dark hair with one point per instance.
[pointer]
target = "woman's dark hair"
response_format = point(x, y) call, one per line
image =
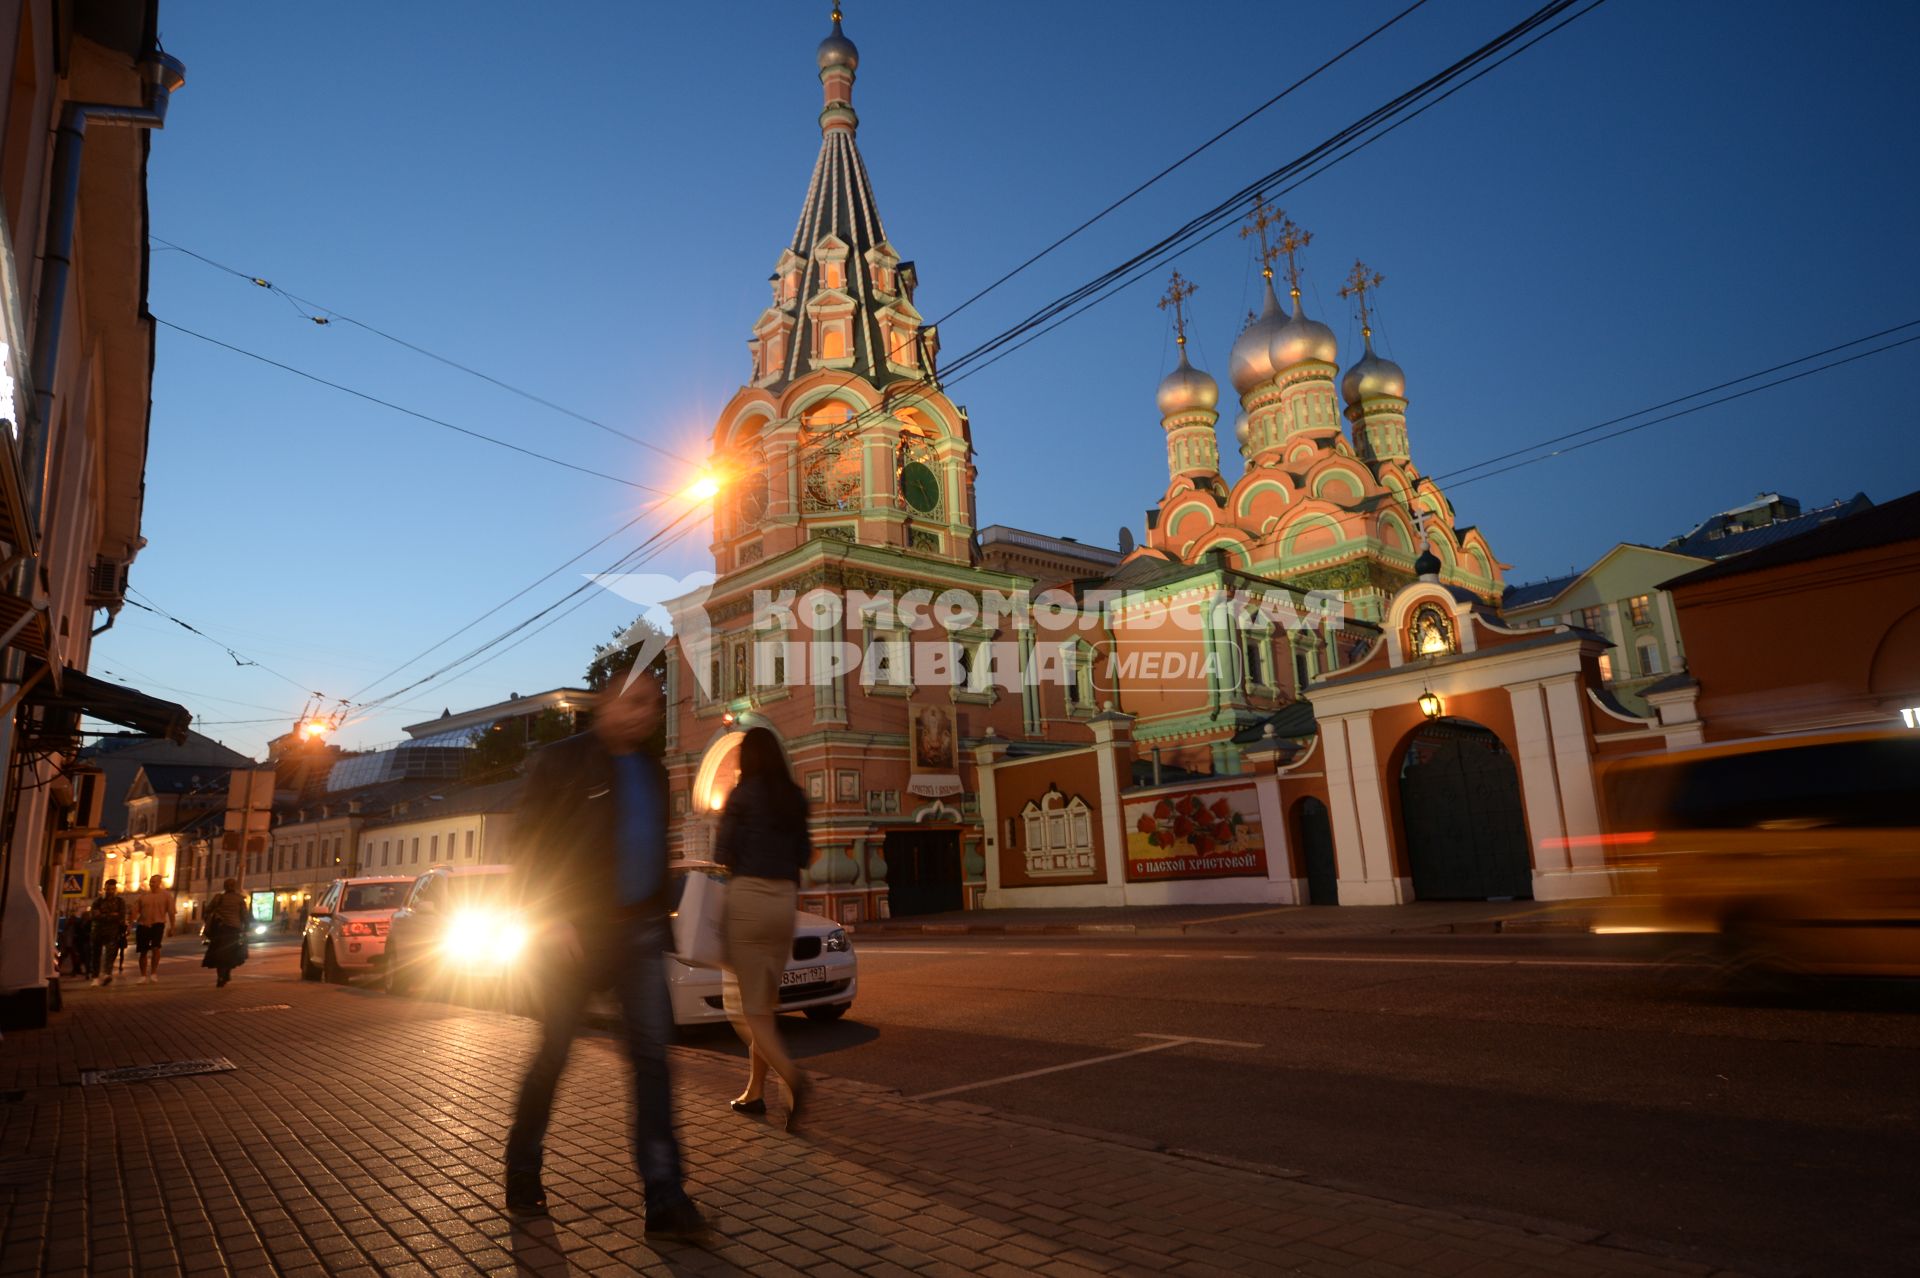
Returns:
point(763, 766)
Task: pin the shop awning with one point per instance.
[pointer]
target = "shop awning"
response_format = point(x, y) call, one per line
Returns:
point(115, 703)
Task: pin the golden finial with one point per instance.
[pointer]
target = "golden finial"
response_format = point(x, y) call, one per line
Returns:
point(1178, 291)
point(836, 10)
point(1263, 216)
point(1363, 279)
point(1292, 240)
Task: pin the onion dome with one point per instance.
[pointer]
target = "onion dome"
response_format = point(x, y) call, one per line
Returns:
point(1242, 428)
point(1301, 339)
point(1251, 361)
point(1428, 564)
point(1186, 389)
point(1372, 378)
point(836, 50)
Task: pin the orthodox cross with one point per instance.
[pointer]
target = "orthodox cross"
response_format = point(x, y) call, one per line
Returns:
point(1178, 291)
point(1292, 240)
point(1362, 280)
point(1263, 216)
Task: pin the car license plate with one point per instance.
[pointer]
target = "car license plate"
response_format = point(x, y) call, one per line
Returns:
point(802, 976)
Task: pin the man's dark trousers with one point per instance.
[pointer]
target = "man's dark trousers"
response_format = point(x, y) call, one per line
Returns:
point(632, 963)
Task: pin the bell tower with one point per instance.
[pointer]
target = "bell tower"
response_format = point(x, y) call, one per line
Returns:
point(842, 431)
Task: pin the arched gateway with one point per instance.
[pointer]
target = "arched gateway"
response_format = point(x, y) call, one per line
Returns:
point(1461, 813)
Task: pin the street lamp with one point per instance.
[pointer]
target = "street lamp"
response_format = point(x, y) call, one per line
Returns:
point(1430, 703)
point(705, 488)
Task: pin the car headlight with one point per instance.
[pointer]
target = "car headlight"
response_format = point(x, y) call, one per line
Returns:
point(484, 935)
point(837, 940)
point(259, 929)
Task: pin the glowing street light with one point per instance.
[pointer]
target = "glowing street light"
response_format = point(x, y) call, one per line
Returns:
point(314, 729)
point(705, 488)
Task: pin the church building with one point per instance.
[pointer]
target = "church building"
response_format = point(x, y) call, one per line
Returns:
point(1295, 688)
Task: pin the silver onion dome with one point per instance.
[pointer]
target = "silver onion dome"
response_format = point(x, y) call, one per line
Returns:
point(1251, 361)
point(1372, 378)
point(1301, 339)
point(1186, 389)
point(838, 51)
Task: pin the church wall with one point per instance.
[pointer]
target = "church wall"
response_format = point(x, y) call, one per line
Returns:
point(1018, 783)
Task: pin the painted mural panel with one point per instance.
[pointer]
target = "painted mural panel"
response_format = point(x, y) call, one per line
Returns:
point(1195, 834)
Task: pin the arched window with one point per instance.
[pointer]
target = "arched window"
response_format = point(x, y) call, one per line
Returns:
point(833, 342)
point(1059, 834)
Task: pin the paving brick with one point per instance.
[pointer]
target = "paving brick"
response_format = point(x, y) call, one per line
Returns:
point(888, 1188)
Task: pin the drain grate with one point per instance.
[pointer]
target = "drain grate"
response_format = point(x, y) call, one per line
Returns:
point(165, 1069)
point(251, 1007)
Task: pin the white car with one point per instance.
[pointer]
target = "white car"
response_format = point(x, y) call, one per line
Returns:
point(457, 931)
point(821, 979)
point(346, 933)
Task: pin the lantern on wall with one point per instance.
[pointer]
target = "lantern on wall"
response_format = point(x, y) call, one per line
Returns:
point(1430, 703)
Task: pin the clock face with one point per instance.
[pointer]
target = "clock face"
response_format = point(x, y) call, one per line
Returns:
point(920, 486)
point(753, 500)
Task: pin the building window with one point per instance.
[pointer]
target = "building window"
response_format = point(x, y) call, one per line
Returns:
point(433, 849)
point(416, 849)
point(1059, 835)
point(1606, 667)
point(469, 845)
point(1640, 608)
point(1594, 619)
point(1649, 657)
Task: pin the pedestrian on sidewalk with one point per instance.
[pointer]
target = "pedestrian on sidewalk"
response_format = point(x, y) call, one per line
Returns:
point(77, 948)
point(107, 932)
point(763, 840)
point(226, 931)
point(152, 911)
point(593, 866)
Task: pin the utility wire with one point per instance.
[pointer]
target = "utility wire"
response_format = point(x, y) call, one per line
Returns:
point(238, 660)
point(1684, 412)
point(323, 315)
point(415, 413)
point(1678, 399)
point(509, 599)
point(1273, 101)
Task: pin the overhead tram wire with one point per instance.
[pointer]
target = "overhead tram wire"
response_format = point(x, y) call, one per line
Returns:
point(631, 559)
point(1192, 232)
point(1271, 102)
point(238, 659)
point(1678, 399)
point(413, 412)
point(1354, 137)
point(326, 314)
point(1685, 412)
point(649, 510)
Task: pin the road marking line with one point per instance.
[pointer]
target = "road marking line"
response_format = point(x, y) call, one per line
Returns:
point(1466, 962)
point(1167, 1040)
point(1216, 1042)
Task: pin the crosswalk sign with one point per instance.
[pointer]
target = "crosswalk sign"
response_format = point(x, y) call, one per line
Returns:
point(73, 883)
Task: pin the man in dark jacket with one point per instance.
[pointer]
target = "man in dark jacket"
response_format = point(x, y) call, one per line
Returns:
point(590, 860)
point(107, 933)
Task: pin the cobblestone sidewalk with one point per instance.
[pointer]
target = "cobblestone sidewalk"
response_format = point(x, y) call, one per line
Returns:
point(361, 1134)
point(1244, 920)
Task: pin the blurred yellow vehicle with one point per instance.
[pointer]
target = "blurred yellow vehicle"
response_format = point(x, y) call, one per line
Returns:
point(1797, 854)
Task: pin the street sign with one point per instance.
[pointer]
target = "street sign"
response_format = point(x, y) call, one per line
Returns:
point(73, 883)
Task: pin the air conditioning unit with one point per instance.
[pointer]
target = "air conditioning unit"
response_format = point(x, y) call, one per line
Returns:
point(106, 584)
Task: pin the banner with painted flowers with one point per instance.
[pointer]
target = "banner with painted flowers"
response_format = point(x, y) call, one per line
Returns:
point(1195, 834)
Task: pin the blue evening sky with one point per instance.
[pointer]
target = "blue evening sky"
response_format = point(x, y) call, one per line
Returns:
point(585, 199)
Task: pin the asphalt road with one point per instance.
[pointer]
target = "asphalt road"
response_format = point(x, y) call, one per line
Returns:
point(1564, 1079)
point(1572, 1080)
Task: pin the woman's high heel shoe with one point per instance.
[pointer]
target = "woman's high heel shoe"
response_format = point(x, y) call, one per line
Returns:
point(798, 1101)
point(757, 1105)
